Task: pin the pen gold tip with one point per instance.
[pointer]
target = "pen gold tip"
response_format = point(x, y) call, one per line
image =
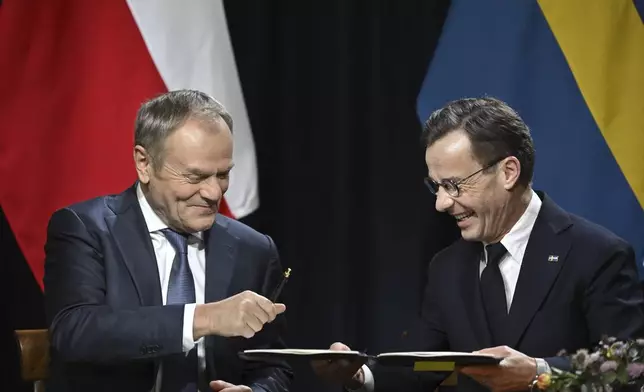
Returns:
point(287, 273)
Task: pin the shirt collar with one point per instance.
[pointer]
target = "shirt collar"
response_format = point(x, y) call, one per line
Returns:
point(516, 241)
point(152, 220)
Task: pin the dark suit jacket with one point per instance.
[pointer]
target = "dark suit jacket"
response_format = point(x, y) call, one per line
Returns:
point(591, 290)
point(104, 308)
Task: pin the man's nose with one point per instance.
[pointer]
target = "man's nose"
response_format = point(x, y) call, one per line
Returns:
point(443, 200)
point(211, 190)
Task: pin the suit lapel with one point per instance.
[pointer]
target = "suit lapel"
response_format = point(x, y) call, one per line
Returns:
point(129, 230)
point(470, 289)
point(220, 260)
point(545, 254)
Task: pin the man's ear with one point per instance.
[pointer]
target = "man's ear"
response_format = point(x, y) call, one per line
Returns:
point(511, 168)
point(143, 164)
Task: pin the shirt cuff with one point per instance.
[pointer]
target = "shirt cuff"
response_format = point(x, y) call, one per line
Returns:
point(188, 320)
point(542, 366)
point(369, 381)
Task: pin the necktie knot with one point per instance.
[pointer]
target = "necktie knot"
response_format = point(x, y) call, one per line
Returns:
point(179, 241)
point(495, 253)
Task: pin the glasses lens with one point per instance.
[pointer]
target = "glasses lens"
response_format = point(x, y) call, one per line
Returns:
point(433, 187)
point(450, 188)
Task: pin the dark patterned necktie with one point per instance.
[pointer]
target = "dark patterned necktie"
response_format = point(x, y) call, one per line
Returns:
point(493, 293)
point(180, 371)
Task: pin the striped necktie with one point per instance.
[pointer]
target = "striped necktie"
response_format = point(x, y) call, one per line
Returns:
point(180, 371)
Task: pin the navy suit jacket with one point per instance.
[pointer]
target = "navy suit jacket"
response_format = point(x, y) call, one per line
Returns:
point(590, 289)
point(107, 325)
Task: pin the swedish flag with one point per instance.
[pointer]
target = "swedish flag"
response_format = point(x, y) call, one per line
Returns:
point(574, 70)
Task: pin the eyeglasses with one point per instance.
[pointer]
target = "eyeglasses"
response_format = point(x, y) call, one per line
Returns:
point(451, 186)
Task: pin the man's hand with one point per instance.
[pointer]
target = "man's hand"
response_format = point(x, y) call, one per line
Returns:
point(342, 372)
point(223, 386)
point(515, 372)
point(243, 314)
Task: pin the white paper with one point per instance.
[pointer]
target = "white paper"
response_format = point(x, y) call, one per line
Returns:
point(433, 354)
point(299, 351)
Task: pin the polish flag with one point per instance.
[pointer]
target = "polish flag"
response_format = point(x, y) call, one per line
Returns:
point(73, 73)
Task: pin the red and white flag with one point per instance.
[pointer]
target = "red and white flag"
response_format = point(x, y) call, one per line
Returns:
point(73, 73)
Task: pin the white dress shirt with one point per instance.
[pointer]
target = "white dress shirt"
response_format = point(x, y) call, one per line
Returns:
point(165, 253)
point(515, 242)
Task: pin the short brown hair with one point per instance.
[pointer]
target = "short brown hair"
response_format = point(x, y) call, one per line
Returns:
point(495, 130)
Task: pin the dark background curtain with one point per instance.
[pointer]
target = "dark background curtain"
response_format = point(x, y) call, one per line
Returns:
point(330, 88)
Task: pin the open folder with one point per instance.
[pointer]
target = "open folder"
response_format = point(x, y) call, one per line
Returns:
point(419, 360)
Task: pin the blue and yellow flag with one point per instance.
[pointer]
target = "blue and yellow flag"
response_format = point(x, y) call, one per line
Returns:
point(574, 70)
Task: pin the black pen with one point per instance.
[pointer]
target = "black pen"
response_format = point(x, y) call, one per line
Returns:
point(278, 289)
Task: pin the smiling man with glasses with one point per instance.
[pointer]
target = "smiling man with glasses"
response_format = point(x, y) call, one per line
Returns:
point(526, 280)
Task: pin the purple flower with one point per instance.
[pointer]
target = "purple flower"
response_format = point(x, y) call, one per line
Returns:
point(635, 370)
point(608, 366)
point(617, 349)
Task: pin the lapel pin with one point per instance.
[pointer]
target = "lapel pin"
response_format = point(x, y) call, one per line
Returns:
point(553, 258)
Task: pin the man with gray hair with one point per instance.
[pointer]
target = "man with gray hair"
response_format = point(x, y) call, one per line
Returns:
point(152, 289)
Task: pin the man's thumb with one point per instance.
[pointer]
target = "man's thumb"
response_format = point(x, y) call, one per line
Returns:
point(279, 308)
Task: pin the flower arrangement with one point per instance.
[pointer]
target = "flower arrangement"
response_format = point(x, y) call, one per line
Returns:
point(614, 365)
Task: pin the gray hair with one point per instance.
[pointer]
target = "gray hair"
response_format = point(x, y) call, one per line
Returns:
point(159, 117)
point(494, 129)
